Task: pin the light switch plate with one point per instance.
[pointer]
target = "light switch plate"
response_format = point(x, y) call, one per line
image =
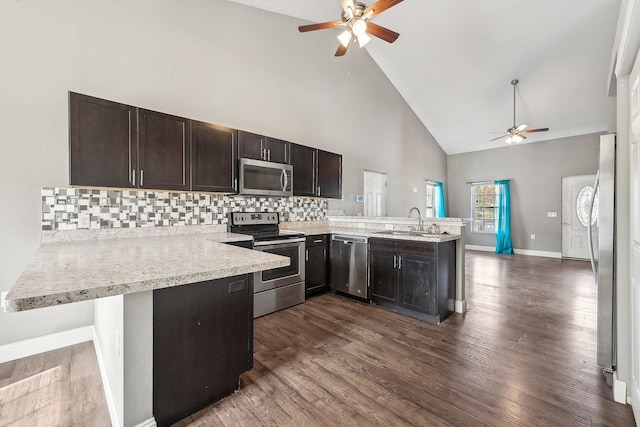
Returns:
point(533, 237)
point(552, 214)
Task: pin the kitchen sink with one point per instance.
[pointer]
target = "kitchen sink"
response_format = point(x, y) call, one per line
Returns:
point(410, 233)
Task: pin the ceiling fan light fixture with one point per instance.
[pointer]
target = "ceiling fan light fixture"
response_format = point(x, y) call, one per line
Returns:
point(517, 138)
point(359, 27)
point(344, 38)
point(363, 39)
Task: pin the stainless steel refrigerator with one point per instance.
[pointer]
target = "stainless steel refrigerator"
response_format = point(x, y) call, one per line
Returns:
point(603, 253)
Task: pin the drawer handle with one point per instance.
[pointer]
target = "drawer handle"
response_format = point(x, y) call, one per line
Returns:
point(317, 241)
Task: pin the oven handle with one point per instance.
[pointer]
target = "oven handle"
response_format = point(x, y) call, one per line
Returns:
point(278, 242)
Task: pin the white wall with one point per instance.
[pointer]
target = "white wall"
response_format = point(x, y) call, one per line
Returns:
point(209, 60)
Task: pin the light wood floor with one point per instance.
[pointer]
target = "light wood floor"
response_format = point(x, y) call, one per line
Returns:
point(523, 355)
point(56, 388)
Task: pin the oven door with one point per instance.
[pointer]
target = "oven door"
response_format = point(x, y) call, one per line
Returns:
point(282, 276)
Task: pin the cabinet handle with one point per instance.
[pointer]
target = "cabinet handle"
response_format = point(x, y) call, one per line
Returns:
point(399, 262)
point(317, 241)
point(318, 190)
point(235, 184)
point(264, 154)
point(141, 177)
point(133, 177)
point(306, 255)
point(269, 154)
point(395, 261)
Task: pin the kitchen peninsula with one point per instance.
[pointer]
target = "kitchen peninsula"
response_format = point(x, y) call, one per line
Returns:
point(129, 278)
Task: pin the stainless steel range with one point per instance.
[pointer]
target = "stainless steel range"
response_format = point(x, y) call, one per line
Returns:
point(280, 287)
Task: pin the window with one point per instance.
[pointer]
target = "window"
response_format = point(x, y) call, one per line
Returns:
point(483, 204)
point(429, 208)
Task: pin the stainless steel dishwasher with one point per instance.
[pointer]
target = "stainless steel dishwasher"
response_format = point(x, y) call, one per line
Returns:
point(350, 265)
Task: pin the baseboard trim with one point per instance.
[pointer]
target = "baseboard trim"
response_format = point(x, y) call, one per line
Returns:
point(106, 385)
point(619, 390)
point(151, 422)
point(545, 254)
point(30, 347)
point(461, 306)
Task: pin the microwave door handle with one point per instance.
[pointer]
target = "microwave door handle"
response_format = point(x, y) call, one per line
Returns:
point(286, 181)
point(283, 180)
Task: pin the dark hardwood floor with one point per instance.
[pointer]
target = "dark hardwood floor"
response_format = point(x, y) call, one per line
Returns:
point(523, 355)
point(56, 388)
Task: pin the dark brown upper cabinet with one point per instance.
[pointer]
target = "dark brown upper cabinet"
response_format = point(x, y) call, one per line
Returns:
point(259, 147)
point(164, 156)
point(103, 142)
point(329, 178)
point(303, 160)
point(213, 158)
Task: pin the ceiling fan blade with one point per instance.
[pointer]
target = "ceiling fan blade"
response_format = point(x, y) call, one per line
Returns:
point(521, 128)
point(320, 26)
point(341, 50)
point(536, 130)
point(382, 32)
point(379, 7)
point(500, 137)
point(346, 4)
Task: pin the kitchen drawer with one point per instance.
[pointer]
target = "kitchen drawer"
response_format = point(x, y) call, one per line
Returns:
point(317, 240)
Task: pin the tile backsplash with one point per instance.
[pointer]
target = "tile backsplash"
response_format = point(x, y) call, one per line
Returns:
point(92, 208)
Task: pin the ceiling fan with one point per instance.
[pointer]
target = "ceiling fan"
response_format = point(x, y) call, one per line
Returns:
point(515, 134)
point(356, 21)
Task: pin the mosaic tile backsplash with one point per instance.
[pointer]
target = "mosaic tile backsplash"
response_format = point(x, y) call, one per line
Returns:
point(87, 208)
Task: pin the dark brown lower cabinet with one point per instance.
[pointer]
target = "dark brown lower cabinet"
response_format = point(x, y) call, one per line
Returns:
point(316, 264)
point(202, 342)
point(413, 278)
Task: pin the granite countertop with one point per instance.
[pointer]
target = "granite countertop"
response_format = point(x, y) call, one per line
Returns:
point(383, 234)
point(64, 272)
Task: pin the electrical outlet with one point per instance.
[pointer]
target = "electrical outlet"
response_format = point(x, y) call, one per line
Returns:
point(533, 237)
point(415, 189)
point(208, 218)
point(84, 220)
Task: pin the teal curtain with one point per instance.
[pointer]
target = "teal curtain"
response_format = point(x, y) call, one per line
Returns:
point(440, 210)
point(503, 218)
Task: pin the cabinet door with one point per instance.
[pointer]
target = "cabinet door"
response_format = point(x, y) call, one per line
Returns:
point(303, 160)
point(201, 344)
point(277, 150)
point(163, 142)
point(316, 267)
point(102, 142)
point(383, 277)
point(214, 156)
point(251, 146)
point(329, 175)
point(418, 283)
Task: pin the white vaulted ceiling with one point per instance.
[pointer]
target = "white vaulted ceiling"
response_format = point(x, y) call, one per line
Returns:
point(454, 61)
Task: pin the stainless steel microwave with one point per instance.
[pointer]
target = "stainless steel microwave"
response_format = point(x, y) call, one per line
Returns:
point(265, 178)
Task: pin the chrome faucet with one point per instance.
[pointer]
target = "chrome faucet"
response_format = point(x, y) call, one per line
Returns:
point(419, 217)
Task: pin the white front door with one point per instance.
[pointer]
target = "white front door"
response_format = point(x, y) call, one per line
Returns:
point(375, 193)
point(576, 194)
